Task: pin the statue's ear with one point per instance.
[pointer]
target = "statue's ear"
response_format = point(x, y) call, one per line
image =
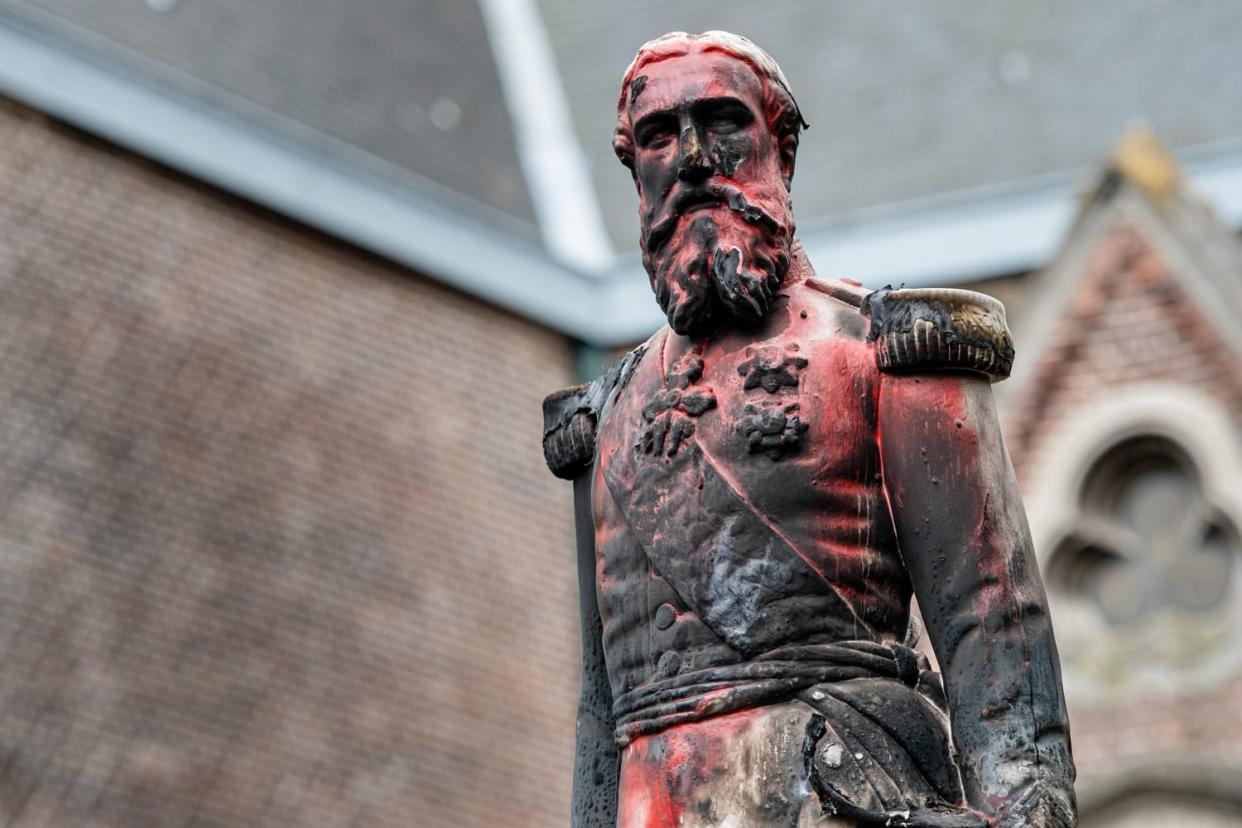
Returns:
point(623, 147)
point(788, 153)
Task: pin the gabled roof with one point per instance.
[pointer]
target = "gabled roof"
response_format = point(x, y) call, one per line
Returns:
point(410, 94)
point(1147, 288)
point(1145, 189)
point(931, 99)
point(187, 118)
point(471, 140)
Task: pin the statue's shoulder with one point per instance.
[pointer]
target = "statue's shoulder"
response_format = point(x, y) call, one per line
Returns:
point(570, 417)
point(847, 292)
point(931, 329)
point(836, 318)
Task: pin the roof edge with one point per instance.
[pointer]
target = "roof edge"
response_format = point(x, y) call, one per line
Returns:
point(556, 169)
point(186, 135)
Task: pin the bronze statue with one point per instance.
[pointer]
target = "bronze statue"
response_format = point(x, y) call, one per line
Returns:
point(762, 486)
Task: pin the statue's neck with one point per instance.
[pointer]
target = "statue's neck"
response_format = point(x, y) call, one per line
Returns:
point(799, 265)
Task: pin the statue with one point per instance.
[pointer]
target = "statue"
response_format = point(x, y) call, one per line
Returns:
point(762, 486)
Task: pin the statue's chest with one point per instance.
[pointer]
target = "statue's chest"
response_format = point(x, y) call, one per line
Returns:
point(714, 481)
point(776, 417)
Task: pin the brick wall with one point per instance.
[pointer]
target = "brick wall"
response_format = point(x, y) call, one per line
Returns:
point(278, 546)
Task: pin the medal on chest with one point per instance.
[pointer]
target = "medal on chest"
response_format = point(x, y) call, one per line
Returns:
point(769, 422)
point(670, 414)
point(772, 424)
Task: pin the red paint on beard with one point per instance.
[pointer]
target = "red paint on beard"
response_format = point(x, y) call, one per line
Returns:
point(719, 265)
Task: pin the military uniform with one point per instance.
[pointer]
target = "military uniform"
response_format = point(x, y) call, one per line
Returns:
point(746, 622)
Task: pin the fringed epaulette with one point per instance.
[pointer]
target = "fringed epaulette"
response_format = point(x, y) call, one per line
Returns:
point(939, 329)
point(570, 417)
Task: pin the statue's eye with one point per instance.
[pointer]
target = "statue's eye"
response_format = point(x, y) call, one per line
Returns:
point(728, 117)
point(655, 133)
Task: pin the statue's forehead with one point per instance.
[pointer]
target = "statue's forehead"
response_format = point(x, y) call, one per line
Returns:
point(674, 82)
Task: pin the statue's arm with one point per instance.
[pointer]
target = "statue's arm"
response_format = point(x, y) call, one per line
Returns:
point(965, 542)
point(569, 448)
point(964, 539)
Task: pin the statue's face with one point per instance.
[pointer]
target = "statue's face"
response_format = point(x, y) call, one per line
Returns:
point(714, 199)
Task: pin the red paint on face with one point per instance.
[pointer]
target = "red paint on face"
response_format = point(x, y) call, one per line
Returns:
point(713, 194)
point(700, 117)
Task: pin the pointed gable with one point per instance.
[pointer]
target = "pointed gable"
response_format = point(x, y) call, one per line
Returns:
point(1146, 289)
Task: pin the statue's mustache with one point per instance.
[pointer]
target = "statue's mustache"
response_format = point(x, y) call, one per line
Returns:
point(713, 194)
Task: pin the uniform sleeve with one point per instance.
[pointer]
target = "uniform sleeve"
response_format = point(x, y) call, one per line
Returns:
point(964, 539)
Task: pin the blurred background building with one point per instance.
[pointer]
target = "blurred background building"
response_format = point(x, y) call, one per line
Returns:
point(283, 283)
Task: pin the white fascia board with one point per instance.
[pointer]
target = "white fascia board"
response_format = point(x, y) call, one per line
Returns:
point(1219, 183)
point(946, 246)
point(420, 233)
point(628, 312)
point(557, 174)
point(989, 235)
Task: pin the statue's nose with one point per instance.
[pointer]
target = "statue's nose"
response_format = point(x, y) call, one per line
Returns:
point(691, 165)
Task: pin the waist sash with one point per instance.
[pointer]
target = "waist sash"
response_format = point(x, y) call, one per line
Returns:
point(774, 676)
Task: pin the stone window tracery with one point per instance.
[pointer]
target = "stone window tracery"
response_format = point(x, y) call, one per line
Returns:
point(1147, 539)
point(1146, 578)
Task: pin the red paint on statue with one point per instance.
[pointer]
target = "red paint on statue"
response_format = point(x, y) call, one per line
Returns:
point(744, 471)
point(663, 777)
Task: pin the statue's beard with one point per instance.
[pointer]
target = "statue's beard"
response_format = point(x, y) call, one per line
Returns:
point(722, 264)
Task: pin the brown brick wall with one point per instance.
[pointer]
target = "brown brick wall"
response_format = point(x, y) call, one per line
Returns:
point(1162, 730)
point(278, 547)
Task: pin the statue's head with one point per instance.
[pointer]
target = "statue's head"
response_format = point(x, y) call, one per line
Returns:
point(708, 127)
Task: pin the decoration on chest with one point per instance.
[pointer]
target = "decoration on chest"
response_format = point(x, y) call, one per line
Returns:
point(772, 368)
point(670, 413)
point(772, 425)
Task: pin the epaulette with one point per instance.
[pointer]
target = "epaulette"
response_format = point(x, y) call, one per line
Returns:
point(927, 329)
point(570, 417)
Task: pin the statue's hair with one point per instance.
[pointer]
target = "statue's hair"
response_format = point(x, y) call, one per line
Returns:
point(781, 111)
